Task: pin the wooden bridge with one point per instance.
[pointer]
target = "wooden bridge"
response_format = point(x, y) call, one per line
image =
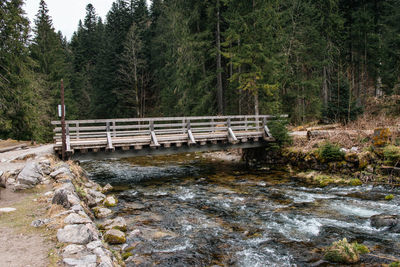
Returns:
point(88, 139)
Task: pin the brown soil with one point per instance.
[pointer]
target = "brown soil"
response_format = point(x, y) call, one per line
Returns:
point(20, 243)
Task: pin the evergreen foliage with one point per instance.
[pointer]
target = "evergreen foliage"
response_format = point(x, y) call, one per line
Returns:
point(309, 59)
point(330, 152)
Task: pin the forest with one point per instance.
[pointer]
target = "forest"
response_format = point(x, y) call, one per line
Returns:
point(311, 59)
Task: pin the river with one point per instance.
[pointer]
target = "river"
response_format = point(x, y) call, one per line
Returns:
point(186, 210)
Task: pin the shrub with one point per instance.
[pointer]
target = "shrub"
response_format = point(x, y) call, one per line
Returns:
point(330, 152)
point(280, 132)
point(392, 155)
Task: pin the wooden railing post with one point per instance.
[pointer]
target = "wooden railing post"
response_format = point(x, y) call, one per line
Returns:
point(266, 129)
point(77, 130)
point(114, 130)
point(153, 135)
point(109, 140)
point(231, 135)
point(190, 134)
point(67, 139)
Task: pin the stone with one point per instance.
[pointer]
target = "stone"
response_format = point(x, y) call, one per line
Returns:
point(77, 208)
point(99, 251)
point(30, 175)
point(94, 244)
point(118, 223)
point(73, 249)
point(96, 194)
point(73, 199)
point(110, 201)
point(100, 212)
point(392, 222)
point(85, 261)
point(114, 236)
point(105, 261)
point(107, 188)
point(342, 252)
point(7, 210)
point(74, 218)
point(61, 170)
point(40, 222)
point(94, 231)
point(61, 198)
point(76, 233)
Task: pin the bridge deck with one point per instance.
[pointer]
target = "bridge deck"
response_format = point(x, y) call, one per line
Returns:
point(93, 136)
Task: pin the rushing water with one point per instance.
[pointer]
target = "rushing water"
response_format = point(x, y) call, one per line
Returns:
point(188, 211)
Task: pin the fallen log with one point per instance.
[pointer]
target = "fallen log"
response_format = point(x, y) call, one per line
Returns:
point(329, 133)
point(324, 127)
point(11, 148)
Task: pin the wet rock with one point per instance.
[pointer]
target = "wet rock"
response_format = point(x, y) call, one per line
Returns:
point(40, 222)
point(118, 223)
point(74, 218)
point(30, 175)
point(110, 201)
point(114, 236)
point(107, 188)
point(134, 206)
point(72, 249)
point(100, 212)
point(392, 222)
point(61, 198)
point(77, 234)
point(95, 196)
point(342, 252)
point(87, 261)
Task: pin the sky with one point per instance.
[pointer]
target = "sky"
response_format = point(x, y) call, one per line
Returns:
point(67, 13)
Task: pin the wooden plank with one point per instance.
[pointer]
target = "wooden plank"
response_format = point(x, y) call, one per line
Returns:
point(154, 139)
point(191, 137)
point(232, 135)
point(109, 142)
point(171, 119)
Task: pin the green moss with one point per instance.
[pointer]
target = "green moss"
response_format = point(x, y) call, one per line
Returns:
point(360, 248)
point(126, 255)
point(355, 182)
point(392, 155)
point(389, 197)
point(395, 264)
point(343, 252)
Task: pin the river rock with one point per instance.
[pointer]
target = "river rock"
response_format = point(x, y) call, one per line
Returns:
point(30, 175)
point(105, 261)
point(385, 220)
point(72, 249)
point(96, 195)
point(94, 244)
point(114, 236)
point(110, 201)
point(40, 222)
point(77, 234)
point(61, 170)
point(107, 188)
point(87, 261)
point(100, 212)
point(118, 223)
point(74, 218)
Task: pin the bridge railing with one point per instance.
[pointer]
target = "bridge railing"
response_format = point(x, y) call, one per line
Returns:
point(159, 130)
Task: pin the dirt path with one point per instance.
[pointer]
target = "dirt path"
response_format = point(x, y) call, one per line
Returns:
point(21, 244)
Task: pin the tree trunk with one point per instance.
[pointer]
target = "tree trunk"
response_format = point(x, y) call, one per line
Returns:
point(256, 108)
point(325, 89)
point(219, 67)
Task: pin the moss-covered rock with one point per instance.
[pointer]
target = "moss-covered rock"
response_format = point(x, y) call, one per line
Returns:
point(110, 201)
point(114, 236)
point(342, 252)
point(355, 182)
point(351, 157)
point(389, 197)
point(126, 255)
point(392, 155)
point(381, 137)
point(118, 223)
point(101, 212)
point(394, 264)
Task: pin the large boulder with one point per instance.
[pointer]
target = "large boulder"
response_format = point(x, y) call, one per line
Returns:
point(30, 175)
point(76, 234)
point(114, 236)
point(391, 222)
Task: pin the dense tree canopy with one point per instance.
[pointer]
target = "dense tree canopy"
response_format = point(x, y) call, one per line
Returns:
point(311, 59)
